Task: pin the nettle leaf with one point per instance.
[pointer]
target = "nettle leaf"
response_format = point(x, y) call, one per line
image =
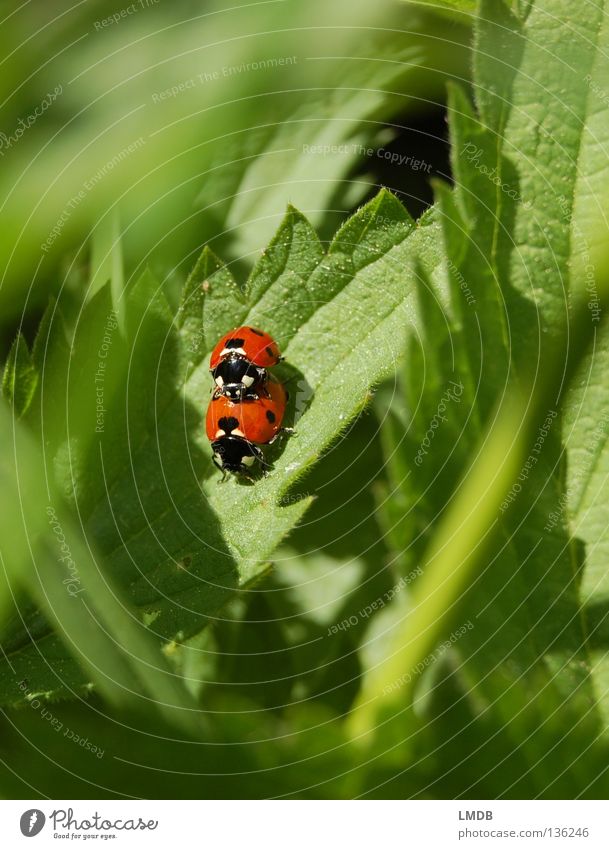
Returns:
point(534, 114)
point(345, 305)
point(122, 411)
point(95, 637)
point(510, 243)
point(529, 97)
point(582, 503)
point(330, 131)
point(556, 127)
point(210, 293)
point(20, 377)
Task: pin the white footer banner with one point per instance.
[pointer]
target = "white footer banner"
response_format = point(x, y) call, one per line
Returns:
point(305, 824)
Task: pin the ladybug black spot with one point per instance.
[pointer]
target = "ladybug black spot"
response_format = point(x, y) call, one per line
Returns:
point(270, 352)
point(228, 424)
point(234, 343)
point(270, 416)
point(256, 331)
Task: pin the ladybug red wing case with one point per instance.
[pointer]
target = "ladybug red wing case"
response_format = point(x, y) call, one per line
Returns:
point(254, 345)
point(257, 420)
point(247, 407)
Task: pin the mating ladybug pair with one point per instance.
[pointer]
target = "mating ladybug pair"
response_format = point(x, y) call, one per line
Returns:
point(248, 405)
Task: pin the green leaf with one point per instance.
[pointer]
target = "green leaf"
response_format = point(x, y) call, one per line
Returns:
point(48, 557)
point(107, 259)
point(210, 293)
point(471, 535)
point(560, 122)
point(315, 155)
point(528, 96)
point(20, 377)
point(122, 411)
point(510, 241)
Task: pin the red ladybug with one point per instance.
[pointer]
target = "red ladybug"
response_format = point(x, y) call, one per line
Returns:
point(239, 361)
point(236, 430)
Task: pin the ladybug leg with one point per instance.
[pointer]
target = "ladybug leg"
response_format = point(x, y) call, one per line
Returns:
point(283, 431)
point(248, 395)
point(218, 466)
point(265, 467)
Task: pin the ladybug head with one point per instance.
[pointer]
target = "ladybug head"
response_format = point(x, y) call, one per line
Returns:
point(237, 378)
point(235, 454)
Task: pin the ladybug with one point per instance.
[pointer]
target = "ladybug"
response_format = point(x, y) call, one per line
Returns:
point(236, 430)
point(239, 361)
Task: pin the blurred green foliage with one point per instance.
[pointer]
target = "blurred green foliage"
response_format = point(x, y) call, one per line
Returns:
point(434, 625)
point(183, 114)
